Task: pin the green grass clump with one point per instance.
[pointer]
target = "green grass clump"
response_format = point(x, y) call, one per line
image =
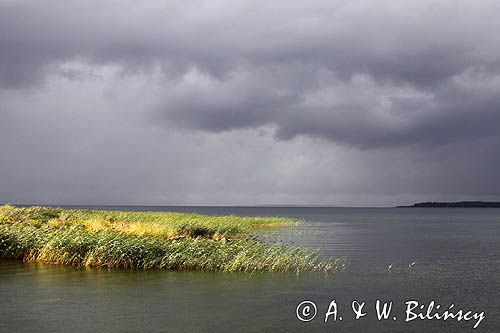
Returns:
point(149, 240)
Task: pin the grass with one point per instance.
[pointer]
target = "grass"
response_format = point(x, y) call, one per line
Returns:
point(148, 240)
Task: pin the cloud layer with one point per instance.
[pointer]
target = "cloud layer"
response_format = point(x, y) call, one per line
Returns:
point(415, 85)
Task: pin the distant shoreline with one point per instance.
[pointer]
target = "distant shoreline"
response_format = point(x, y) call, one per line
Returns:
point(458, 204)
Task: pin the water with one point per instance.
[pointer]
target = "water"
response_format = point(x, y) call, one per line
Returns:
point(456, 254)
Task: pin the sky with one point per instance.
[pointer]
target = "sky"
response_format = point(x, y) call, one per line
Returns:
point(347, 103)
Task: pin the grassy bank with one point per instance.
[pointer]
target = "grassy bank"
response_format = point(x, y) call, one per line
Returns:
point(149, 240)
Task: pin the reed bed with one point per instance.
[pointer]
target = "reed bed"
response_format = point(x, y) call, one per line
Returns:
point(150, 240)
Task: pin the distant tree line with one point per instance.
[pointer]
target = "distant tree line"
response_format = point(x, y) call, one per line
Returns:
point(467, 204)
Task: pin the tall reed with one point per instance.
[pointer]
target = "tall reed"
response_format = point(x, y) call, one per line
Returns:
point(149, 240)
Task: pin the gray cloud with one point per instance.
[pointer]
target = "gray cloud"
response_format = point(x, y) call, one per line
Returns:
point(408, 91)
point(353, 72)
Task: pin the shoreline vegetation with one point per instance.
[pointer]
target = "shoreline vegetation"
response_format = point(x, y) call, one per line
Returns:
point(151, 240)
point(459, 204)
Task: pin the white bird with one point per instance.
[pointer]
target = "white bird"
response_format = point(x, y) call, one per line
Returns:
point(412, 264)
point(390, 267)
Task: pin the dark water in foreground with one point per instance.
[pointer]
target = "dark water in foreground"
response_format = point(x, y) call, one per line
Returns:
point(457, 255)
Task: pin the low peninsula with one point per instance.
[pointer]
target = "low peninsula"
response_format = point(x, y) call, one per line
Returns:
point(151, 240)
point(458, 204)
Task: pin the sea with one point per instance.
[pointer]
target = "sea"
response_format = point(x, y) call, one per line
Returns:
point(429, 266)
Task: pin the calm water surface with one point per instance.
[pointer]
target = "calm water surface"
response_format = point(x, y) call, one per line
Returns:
point(456, 254)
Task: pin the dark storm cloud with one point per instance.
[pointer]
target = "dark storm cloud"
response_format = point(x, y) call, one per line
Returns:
point(359, 73)
point(174, 102)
